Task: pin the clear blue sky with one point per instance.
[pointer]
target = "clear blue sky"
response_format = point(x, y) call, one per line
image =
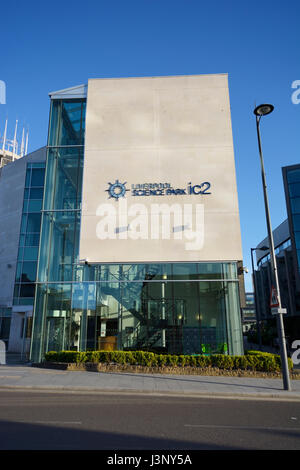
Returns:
point(47, 46)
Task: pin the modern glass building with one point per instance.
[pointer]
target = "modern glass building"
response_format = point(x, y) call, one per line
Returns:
point(287, 250)
point(21, 197)
point(181, 308)
point(291, 180)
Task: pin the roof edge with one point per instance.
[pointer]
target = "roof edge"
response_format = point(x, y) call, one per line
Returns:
point(79, 91)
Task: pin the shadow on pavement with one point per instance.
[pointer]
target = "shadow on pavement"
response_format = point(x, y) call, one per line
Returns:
point(25, 436)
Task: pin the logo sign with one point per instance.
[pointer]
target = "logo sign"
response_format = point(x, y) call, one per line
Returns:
point(117, 189)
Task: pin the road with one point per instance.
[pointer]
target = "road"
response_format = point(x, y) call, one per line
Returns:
point(67, 421)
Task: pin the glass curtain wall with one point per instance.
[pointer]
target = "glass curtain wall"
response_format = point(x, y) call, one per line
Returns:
point(293, 183)
point(184, 308)
point(24, 289)
point(60, 227)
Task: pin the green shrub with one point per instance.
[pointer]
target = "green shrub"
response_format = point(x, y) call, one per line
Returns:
point(222, 361)
point(161, 360)
point(252, 360)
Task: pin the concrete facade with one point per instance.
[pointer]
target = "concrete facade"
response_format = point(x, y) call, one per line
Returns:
point(160, 130)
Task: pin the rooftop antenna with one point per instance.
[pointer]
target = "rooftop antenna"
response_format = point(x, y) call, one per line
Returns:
point(26, 145)
point(4, 136)
point(22, 144)
point(15, 139)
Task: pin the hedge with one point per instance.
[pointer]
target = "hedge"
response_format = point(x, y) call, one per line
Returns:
point(252, 360)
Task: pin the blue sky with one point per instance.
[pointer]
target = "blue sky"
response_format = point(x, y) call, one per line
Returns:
point(47, 46)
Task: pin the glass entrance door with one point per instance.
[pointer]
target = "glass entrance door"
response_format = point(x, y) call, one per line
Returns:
point(55, 334)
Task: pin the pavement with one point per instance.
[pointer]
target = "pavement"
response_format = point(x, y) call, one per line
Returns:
point(26, 377)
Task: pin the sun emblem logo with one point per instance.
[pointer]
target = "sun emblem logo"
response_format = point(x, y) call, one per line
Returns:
point(117, 189)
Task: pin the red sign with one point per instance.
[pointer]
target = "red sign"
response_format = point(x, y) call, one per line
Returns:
point(274, 299)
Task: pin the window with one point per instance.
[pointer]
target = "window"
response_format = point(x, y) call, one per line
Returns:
point(295, 204)
point(294, 189)
point(293, 176)
point(37, 177)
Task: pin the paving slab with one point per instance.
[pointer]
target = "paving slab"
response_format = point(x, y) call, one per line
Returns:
point(34, 378)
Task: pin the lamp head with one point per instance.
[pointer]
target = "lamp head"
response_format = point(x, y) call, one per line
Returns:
point(263, 109)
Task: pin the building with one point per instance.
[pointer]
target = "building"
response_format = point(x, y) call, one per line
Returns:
point(140, 244)
point(21, 195)
point(286, 243)
point(248, 312)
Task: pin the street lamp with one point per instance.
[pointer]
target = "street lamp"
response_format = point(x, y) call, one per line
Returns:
point(257, 314)
point(259, 111)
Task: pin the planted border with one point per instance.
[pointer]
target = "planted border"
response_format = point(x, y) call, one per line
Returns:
point(251, 361)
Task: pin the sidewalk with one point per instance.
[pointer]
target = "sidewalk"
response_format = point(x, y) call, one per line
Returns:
point(25, 377)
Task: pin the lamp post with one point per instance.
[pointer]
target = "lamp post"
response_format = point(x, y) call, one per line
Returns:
point(258, 319)
point(259, 111)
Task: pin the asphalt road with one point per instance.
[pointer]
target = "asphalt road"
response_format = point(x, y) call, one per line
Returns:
point(74, 421)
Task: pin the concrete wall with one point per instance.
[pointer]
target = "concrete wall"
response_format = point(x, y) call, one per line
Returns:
point(12, 181)
point(173, 130)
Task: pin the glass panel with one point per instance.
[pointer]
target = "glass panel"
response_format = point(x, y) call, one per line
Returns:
point(54, 122)
point(296, 222)
point(298, 258)
point(44, 247)
point(213, 317)
point(34, 206)
point(294, 189)
point(58, 317)
point(25, 205)
point(20, 253)
point(16, 290)
point(293, 176)
point(185, 271)
point(70, 131)
point(37, 343)
point(38, 165)
point(32, 239)
point(295, 204)
point(30, 253)
point(65, 127)
point(19, 272)
point(23, 223)
point(83, 121)
point(63, 170)
point(37, 177)
point(55, 334)
point(61, 246)
point(22, 240)
point(297, 239)
point(33, 223)
point(26, 272)
point(36, 193)
point(27, 290)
